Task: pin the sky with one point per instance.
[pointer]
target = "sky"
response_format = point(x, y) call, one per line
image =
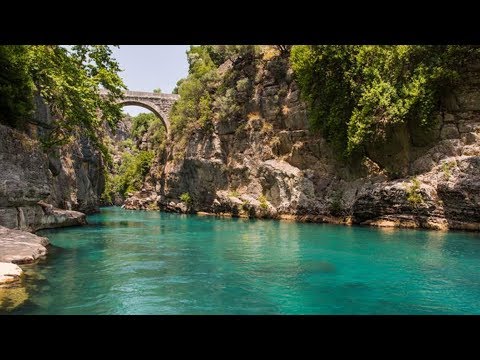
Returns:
point(147, 67)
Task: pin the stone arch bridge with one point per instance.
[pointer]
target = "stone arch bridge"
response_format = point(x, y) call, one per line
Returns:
point(159, 104)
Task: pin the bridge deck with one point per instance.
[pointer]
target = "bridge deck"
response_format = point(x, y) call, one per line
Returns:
point(146, 94)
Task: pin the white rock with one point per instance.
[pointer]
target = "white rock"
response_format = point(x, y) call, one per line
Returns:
point(9, 272)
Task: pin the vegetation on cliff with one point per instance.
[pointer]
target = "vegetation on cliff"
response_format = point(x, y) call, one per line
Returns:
point(16, 96)
point(148, 126)
point(129, 174)
point(206, 95)
point(69, 80)
point(356, 94)
point(146, 140)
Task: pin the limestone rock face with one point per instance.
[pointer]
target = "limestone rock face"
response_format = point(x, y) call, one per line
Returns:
point(53, 217)
point(266, 162)
point(75, 171)
point(77, 180)
point(21, 247)
point(24, 178)
point(9, 273)
point(25, 182)
point(40, 216)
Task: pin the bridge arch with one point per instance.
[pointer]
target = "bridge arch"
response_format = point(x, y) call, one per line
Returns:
point(149, 106)
point(159, 104)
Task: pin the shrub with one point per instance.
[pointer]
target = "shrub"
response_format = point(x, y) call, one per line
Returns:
point(129, 176)
point(266, 127)
point(152, 126)
point(126, 144)
point(204, 96)
point(270, 52)
point(194, 104)
point(263, 202)
point(241, 128)
point(234, 193)
point(356, 93)
point(179, 155)
point(221, 53)
point(447, 167)
point(227, 105)
point(186, 198)
point(243, 84)
point(274, 144)
point(414, 196)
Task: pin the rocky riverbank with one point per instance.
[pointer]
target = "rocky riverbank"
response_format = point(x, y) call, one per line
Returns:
point(9, 273)
point(28, 188)
point(21, 247)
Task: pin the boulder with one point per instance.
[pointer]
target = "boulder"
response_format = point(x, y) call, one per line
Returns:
point(9, 273)
point(21, 247)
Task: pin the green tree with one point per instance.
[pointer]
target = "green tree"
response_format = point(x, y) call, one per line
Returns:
point(148, 123)
point(129, 175)
point(221, 53)
point(157, 91)
point(16, 86)
point(194, 104)
point(140, 124)
point(175, 89)
point(204, 95)
point(358, 93)
point(69, 79)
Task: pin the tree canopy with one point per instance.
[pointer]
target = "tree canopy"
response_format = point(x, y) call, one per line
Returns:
point(204, 91)
point(355, 93)
point(148, 123)
point(69, 79)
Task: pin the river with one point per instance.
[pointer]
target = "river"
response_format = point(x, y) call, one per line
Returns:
point(134, 262)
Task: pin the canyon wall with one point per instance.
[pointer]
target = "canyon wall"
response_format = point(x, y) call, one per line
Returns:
point(36, 183)
point(268, 163)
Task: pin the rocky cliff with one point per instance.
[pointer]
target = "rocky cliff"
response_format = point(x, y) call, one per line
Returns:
point(76, 170)
point(25, 183)
point(36, 182)
point(38, 189)
point(267, 163)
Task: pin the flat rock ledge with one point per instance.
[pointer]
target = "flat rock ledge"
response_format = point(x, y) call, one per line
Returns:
point(54, 217)
point(9, 273)
point(21, 247)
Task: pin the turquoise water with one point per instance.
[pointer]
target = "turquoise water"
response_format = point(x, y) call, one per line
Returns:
point(132, 262)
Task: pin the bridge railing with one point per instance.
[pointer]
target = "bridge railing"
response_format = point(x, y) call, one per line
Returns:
point(146, 94)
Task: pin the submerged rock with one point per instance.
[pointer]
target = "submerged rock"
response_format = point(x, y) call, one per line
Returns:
point(12, 297)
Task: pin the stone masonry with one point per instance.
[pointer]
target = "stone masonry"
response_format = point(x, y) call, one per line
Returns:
point(159, 104)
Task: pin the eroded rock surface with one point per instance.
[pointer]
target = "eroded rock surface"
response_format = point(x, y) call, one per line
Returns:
point(267, 163)
point(21, 247)
point(9, 273)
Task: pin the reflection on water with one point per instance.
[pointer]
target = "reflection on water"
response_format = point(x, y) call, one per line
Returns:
point(133, 262)
point(434, 256)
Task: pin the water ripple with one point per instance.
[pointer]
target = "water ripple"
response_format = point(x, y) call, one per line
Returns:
point(128, 262)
